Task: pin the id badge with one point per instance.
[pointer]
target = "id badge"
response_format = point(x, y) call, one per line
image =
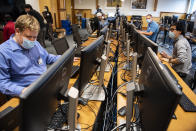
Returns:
point(40, 61)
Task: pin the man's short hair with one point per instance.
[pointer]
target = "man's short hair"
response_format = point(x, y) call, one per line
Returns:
point(179, 27)
point(149, 15)
point(27, 22)
point(28, 6)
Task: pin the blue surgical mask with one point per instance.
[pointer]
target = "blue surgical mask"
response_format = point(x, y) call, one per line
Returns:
point(171, 35)
point(27, 44)
point(148, 20)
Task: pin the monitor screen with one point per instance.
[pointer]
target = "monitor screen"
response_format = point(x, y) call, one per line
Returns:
point(76, 35)
point(161, 94)
point(103, 31)
point(90, 60)
point(142, 45)
point(39, 101)
point(60, 45)
point(135, 40)
point(130, 29)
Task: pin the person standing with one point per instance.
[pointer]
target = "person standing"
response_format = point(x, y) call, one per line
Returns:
point(48, 17)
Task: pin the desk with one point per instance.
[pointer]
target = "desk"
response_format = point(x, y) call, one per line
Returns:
point(121, 100)
point(186, 121)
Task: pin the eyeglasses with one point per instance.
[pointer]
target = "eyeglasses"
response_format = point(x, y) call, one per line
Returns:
point(172, 29)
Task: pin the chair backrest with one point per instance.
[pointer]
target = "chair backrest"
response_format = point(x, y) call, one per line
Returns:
point(157, 35)
point(76, 35)
point(60, 45)
point(88, 26)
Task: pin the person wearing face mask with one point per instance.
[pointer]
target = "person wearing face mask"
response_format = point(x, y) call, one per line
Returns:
point(48, 17)
point(22, 58)
point(152, 29)
point(102, 22)
point(181, 58)
point(41, 36)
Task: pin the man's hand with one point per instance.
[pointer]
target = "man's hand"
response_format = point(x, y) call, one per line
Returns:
point(164, 59)
point(163, 54)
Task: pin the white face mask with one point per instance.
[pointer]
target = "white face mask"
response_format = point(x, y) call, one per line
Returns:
point(148, 20)
point(27, 44)
point(171, 35)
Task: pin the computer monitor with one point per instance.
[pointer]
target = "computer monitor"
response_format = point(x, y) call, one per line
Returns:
point(134, 42)
point(142, 45)
point(90, 60)
point(39, 101)
point(161, 94)
point(103, 31)
point(96, 25)
point(190, 25)
point(76, 35)
point(60, 45)
point(130, 29)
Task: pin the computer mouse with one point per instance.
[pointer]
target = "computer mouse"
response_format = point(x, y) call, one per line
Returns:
point(122, 111)
point(78, 115)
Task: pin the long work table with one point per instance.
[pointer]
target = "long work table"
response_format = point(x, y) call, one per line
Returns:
point(186, 121)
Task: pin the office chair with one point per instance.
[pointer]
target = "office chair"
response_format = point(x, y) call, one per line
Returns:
point(157, 35)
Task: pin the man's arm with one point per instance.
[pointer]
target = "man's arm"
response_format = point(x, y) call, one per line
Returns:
point(50, 58)
point(181, 51)
point(6, 85)
point(146, 33)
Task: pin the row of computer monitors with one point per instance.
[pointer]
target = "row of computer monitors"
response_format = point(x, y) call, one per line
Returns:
point(40, 100)
point(162, 91)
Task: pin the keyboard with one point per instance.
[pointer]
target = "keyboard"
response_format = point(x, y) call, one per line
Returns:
point(187, 104)
point(60, 117)
point(74, 71)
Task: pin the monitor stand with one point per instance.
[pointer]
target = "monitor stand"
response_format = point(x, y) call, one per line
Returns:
point(96, 92)
point(93, 92)
point(107, 69)
point(127, 66)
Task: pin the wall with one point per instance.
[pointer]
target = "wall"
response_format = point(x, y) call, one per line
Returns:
point(163, 6)
point(85, 4)
point(34, 4)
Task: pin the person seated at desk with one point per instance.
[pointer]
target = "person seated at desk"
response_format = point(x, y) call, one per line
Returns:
point(102, 22)
point(152, 29)
point(22, 58)
point(181, 59)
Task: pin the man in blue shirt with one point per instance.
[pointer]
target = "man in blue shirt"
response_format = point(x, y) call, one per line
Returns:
point(152, 29)
point(22, 58)
point(102, 22)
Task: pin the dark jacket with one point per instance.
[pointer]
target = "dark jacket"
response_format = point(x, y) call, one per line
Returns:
point(48, 16)
point(38, 17)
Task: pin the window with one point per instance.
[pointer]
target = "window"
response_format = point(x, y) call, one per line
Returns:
point(192, 6)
